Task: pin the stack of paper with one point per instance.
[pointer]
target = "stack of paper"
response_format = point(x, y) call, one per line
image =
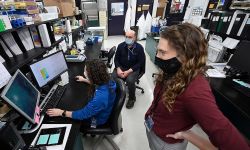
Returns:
point(5, 76)
point(214, 73)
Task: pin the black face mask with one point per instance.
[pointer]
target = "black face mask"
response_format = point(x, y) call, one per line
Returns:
point(169, 66)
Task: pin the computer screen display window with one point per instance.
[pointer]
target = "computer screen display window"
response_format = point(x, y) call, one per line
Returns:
point(49, 68)
point(22, 95)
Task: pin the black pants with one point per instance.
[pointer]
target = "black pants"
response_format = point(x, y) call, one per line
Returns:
point(130, 80)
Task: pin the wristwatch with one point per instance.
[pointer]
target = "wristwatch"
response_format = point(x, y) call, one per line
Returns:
point(64, 113)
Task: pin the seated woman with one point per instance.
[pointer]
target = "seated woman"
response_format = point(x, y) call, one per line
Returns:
point(103, 93)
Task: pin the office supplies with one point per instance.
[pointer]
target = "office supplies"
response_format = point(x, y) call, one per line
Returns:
point(1, 59)
point(5, 76)
point(44, 35)
point(224, 22)
point(235, 23)
point(49, 126)
point(75, 58)
point(7, 51)
point(25, 37)
point(21, 94)
point(244, 31)
point(49, 68)
point(6, 21)
point(10, 41)
point(35, 37)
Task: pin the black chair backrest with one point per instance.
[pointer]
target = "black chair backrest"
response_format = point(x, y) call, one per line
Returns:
point(142, 68)
point(111, 54)
point(119, 102)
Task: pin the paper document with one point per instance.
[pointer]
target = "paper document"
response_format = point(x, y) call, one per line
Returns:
point(5, 76)
point(55, 147)
point(230, 43)
point(214, 73)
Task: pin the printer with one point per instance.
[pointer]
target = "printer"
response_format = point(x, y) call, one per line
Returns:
point(215, 49)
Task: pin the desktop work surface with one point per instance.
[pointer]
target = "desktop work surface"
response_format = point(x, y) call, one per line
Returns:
point(234, 104)
point(74, 97)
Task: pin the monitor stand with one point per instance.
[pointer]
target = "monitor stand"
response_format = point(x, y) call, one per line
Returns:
point(33, 128)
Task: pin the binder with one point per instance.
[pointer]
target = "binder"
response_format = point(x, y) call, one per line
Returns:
point(44, 35)
point(215, 17)
point(6, 50)
point(25, 37)
point(244, 31)
point(10, 41)
point(235, 23)
point(224, 22)
point(35, 37)
point(1, 59)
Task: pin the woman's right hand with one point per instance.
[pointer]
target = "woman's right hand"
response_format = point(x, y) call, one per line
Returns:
point(82, 79)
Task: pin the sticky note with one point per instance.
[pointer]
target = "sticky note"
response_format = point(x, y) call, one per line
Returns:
point(54, 138)
point(42, 139)
point(37, 116)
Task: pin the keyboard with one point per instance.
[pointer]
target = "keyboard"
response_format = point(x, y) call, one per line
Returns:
point(244, 90)
point(53, 98)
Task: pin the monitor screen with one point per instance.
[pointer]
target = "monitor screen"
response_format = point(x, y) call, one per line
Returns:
point(21, 94)
point(49, 68)
point(240, 59)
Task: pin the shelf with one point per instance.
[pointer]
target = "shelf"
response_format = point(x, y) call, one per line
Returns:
point(54, 44)
point(27, 26)
point(20, 60)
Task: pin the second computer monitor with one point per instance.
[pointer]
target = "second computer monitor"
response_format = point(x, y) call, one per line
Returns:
point(49, 68)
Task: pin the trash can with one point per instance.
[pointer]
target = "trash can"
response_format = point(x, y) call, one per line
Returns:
point(135, 28)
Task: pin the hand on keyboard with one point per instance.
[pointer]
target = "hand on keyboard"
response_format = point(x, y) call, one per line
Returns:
point(82, 79)
point(54, 112)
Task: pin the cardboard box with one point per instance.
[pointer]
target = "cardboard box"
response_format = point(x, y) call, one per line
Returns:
point(66, 7)
point(162, 3)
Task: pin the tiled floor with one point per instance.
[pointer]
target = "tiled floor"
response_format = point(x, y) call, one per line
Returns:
point(133, 136)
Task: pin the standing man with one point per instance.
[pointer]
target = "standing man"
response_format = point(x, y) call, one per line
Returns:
point(129, 58)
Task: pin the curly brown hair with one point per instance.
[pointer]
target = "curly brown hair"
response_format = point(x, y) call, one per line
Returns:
point(191, 47)
point(97, 73)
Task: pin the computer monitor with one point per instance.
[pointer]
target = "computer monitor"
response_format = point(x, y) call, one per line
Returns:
point(240, 59)
point(22, 95)
point(49, 68)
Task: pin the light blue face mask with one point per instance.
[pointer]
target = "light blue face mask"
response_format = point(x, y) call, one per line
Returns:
point(129, 41)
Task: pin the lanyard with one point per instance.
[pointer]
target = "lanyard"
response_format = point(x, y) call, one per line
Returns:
point(132, 51)
point(156, 102)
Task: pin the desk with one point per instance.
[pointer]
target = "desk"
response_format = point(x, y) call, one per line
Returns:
point(234, 105)
point(75, 97)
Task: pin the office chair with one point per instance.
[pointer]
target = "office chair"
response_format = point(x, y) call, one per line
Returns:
point(114, 123)
point(141, 73)
point(108, 57)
